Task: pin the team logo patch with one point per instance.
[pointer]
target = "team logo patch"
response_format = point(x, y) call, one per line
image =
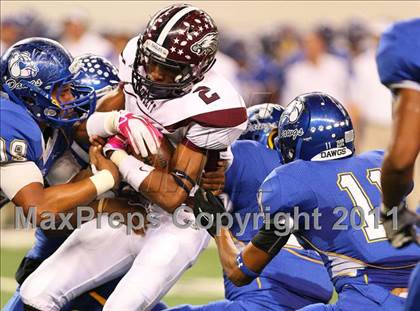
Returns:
point(21, 65)
point(207, 45)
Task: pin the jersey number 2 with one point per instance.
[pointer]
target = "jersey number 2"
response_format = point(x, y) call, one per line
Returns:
point(202, 93)
point(373, 231)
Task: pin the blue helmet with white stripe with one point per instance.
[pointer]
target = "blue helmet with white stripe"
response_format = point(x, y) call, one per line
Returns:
point(263, 120)
point(39, 74)
point(98, 73)
point(315, 127)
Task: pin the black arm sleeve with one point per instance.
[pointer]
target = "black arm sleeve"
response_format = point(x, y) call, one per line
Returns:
point(273, 235)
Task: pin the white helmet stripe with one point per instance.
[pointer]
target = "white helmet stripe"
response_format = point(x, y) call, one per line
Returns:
point(172, 22)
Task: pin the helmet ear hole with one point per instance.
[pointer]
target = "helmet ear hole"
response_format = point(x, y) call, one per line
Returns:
point(28, 100)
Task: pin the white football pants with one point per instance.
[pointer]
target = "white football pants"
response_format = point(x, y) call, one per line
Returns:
point(90, 257)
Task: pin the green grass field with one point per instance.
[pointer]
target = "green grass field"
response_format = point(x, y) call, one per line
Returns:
point(200, 284)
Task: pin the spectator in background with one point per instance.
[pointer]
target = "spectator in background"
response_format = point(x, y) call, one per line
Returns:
point(266, 69)
point(318, 70)
point(24, 24)
point(79, 40)
point(118, 39)
point(11, 31)
point(289, 44)
point(238, 51)
point(228, 68)
point(356, 36)
point(369, 98)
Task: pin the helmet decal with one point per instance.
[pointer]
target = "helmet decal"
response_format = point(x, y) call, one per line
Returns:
point(294, 110)
point(22, 66)
point(207, 45)
point(262, 123)
point(156, 48)
point(332, 154)
point(293, 133)
point(75, 66)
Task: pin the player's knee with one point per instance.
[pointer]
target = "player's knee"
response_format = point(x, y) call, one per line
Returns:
point(165, 254)
point(120, 301)
point(34, 296)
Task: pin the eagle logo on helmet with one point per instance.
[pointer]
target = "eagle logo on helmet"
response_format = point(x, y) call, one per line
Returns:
point(206, 45)
point(22, 66)
point(294, 110)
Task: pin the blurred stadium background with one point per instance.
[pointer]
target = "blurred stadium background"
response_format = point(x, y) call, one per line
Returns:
point(271, 50)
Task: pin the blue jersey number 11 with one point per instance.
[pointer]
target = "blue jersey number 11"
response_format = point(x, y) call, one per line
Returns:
point(371, 227)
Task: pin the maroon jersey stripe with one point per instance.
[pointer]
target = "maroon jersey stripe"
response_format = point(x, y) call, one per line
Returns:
point(222, 118)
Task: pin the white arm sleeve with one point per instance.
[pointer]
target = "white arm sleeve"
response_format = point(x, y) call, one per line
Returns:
point(214, 138)
point(15, 176)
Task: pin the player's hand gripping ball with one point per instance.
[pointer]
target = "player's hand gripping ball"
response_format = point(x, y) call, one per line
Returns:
point(140, 133)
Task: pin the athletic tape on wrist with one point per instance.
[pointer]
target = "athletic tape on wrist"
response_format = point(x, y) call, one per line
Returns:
point(118, 156)
point(134, 171)
point(245, 270)
point(103, 124)
point(103, 181)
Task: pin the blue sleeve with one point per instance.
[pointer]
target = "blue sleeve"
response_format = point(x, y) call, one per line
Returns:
point(20, 136)
point(398, 56)
point(252, 162)
point(234, 171)
point(281, 192)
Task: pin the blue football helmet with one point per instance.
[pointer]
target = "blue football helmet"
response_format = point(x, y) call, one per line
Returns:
point(262, 123)
point(34, 70)
point(98, 73)
point(315, 127)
